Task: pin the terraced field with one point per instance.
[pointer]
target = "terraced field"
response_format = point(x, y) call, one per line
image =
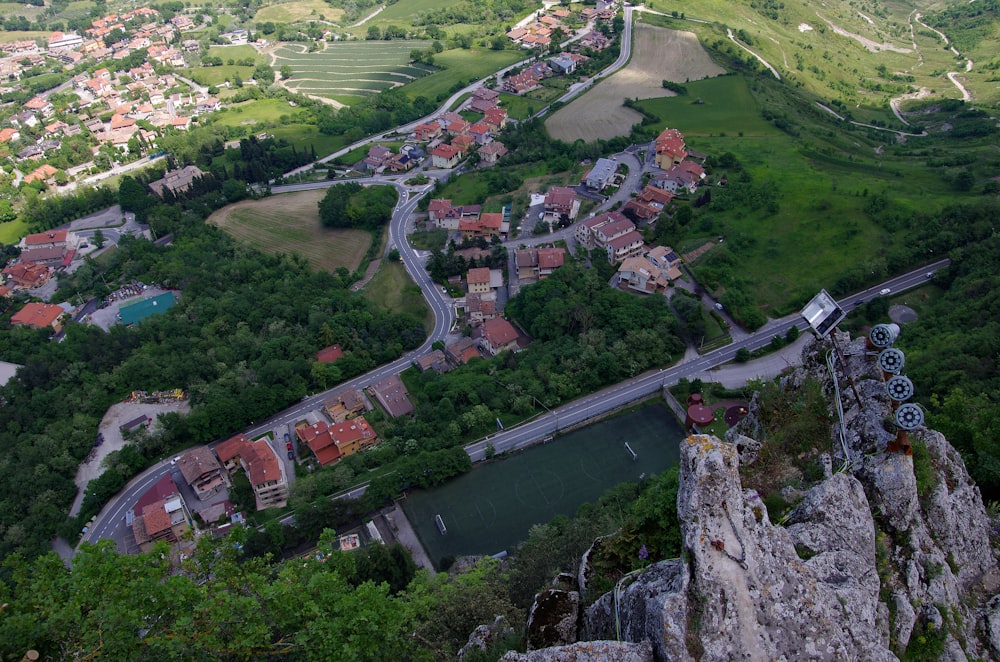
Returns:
point(350, 69)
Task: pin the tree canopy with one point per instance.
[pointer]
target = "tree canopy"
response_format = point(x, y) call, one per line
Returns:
point(354, 206)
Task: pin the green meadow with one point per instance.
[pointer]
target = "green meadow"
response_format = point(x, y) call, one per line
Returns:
point(460, 66)
point(263, 111)
point(218, 75)
point(713, 106)
point(236, 53)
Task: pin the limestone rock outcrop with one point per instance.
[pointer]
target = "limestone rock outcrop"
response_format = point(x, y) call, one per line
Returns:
point(876, 558)
point(587, 651)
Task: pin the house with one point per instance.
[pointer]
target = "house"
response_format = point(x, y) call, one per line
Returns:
point(262, 466)
point(391, 395)
point(560, 203)
point(444, 215)
point(69, 40)
point(480, 307)
point(435, 361)
point(49, 238)
point(684, 177)
point(640, 275)
point(484, 99)
point(49, 256)
point(445, 156)
point(586, 231)
point(498, 335)
point(160, 514)
point(648, 205)
point(26, 274)
point(594, 40)
point(176, 181)
point(458, 127)
point(565, 63)
point(331, 443)
point(496, 119)
point(462, 351)
point(40, 105)
point(427, 131)
point(481, 132)
point(624, 246)
point(670, 148)
point(463, 143)
point(39, 315)
point(492, 152)
point(202, 472)
point(487, 225)
point(478, 280)
point(43, 173)
point(538, 263)
point(345, 404)
point(601, 174)
point(667, 260)
point(606, 232)
point(522, 82)
point(378, 157)
point(9, 134)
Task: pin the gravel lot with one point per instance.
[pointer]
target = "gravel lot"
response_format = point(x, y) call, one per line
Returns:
point(117, 415)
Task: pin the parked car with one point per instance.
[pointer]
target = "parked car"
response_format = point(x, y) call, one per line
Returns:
point(291, 455)
point(286, 438)
point(288, 445)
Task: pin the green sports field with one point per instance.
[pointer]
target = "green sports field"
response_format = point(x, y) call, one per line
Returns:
point(491, 509)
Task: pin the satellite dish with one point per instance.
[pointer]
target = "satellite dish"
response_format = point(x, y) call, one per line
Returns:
point(909, 416)
point(891, 360)
point(899, 388)
point(883, 335)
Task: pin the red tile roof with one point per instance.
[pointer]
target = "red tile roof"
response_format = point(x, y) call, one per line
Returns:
point(499, 332)
point(37, 315)
point(479, 275)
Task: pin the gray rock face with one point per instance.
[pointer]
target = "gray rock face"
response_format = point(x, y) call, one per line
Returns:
point(588, 651)
point(485, 635)
point(868, 531)
point(553, 618)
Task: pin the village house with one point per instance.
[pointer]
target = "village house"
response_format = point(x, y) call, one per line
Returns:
point(538, 263)
point(594, 40)
point(601, 174)
point(262, 466)
point(480, 307)
point(462, 351)
point(331, 443)
point(478, 280)
point(484, 99)
point(492, 152)
point(586, 231)
point(496, 119)
point(560, 202)
point(378, 157)
point(25, 275)
point(160, 515)
point(648, 205)
point(39, 316)
point(639, 274)
point(667, 260)
point(441, 212)
point(624, 246)
point(427, 131)
point(498, 335)
point(41, 106)
point(682, 178)
point(43, 173)
point(463, 143)
point(176, 181)
point(481, 132)
point(8, 134)
point(521, 83)
point(344, 404)
point(670, 148)
point(445, 156)
point(487, 225)
point(202, 472)
point(391, 395)
point(434, 360)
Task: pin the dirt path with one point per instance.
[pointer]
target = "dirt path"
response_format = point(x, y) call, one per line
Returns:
point(369, 274)
point(869, 44)
point(117, 415)
point(759, 58)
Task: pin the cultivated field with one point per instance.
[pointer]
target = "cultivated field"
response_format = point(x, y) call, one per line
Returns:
point(13, 9)
point(289, 223)
point(659, 54)
point(358, 68)
point(299, 10)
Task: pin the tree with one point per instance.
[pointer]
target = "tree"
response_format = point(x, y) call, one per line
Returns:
point(134, 197)
point(286, 72)
point(98, 238)
point(374, 33)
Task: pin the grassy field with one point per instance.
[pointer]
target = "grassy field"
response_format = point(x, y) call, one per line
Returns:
point(13, 9)
point(8, 37)
point(460, 65)
point(12, 231)
point(289, 223)
point(659, 54)
point(218, 75)
point(726, 107)
point(358, 68)
point(308, 135)
point(393, 289)
point(263, 111)
point(300, 10)
point(240, 52)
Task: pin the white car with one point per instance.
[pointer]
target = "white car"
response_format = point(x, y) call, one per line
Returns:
point(884, 291)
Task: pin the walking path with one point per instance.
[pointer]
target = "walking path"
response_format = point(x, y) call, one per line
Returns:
point(762, 60)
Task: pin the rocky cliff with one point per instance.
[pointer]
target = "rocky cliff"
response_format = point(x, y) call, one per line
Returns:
point(869, 565)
